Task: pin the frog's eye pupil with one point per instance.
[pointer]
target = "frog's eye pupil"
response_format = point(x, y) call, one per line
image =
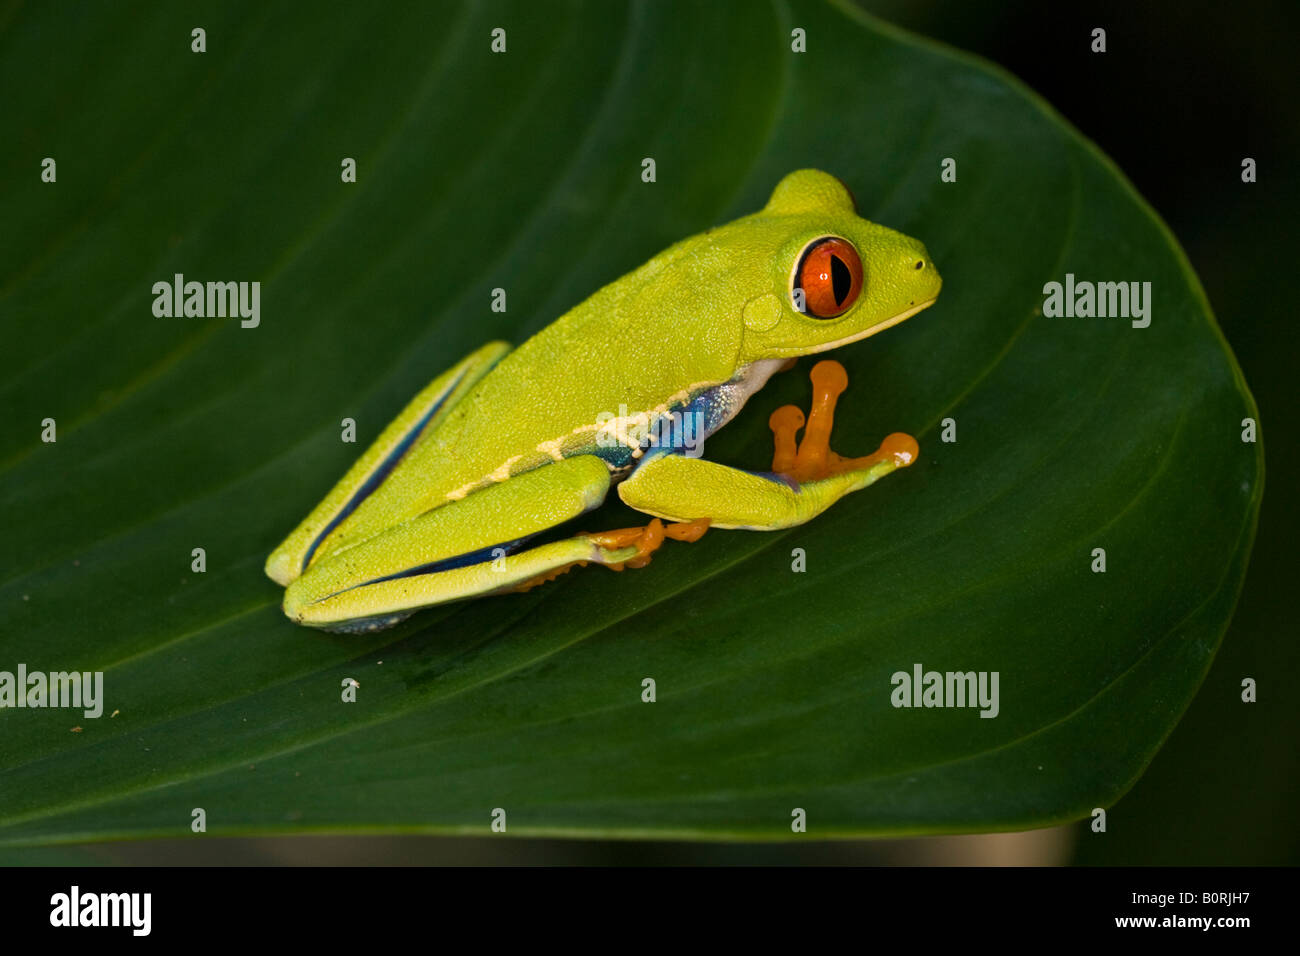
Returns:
point(830, 277)
point(841, 281)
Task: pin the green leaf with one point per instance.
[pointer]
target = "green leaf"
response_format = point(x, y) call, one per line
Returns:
point(522, 170)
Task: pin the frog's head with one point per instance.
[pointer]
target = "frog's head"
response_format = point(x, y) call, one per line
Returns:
point(834, 277)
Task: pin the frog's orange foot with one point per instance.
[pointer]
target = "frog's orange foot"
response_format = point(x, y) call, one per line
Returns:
point(812, 458)
point(648, 539)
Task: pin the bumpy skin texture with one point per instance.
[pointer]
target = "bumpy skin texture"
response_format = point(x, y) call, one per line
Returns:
point(710, 310)
point(684, 489)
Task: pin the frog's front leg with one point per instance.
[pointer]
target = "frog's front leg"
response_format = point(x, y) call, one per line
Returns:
point(805, 480)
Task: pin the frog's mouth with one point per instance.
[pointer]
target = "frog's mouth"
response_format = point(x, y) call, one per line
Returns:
point(864, 333)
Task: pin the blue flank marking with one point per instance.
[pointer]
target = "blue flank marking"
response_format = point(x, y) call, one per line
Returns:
point(617, 457)
point(380, 473)
point(707, 402)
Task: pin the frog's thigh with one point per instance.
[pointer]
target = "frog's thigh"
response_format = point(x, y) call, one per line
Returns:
point(678, 488)
point(460, 550)
point(420, 417)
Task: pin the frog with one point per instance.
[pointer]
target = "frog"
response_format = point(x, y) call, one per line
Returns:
point(469, 491)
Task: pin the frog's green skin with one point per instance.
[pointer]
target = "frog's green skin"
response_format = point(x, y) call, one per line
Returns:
point(504, 445)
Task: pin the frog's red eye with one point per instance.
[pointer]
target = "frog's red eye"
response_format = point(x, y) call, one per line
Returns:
point(830, 275)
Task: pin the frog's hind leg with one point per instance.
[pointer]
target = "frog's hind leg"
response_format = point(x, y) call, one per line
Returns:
point(806, 477)
point(423, 414)
point(465, 548)
point(385, 602)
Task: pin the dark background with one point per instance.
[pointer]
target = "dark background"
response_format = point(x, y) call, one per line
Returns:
point(1183, 93)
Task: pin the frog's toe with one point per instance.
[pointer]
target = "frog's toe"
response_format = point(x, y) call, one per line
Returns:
point(785, 424)
point(648, 539)
point(624, 548)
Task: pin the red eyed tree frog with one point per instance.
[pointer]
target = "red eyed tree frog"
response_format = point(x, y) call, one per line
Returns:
point(454, 498)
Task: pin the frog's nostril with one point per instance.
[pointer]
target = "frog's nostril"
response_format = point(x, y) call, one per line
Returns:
point(920, 264)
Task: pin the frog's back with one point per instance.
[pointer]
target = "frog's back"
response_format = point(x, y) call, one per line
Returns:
point(546, 400)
